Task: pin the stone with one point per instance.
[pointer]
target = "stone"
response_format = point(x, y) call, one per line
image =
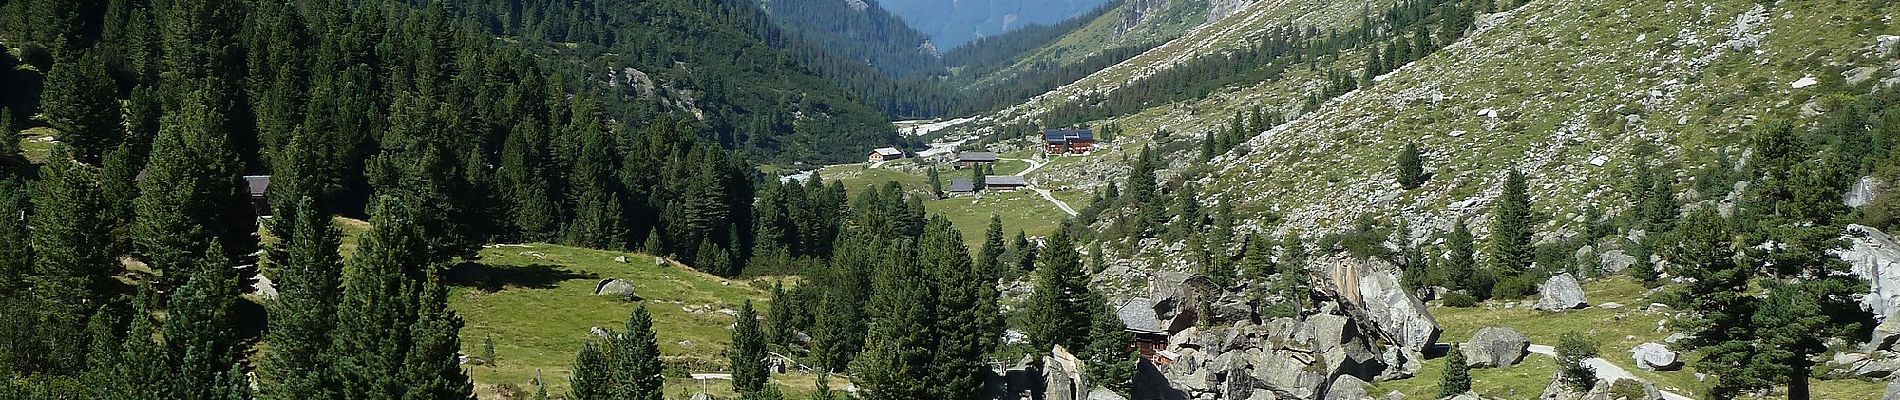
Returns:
point(1561, 293)
point(1893, 391)
point(1655, 357)
point(1857, 75)
point(620, 259)
point(1494, 347)
point(1399, 317)
point(1876, 258)
point(1886, 45)
point(1599, 160)
point(1346, 387)
point(1804, 82)
point(1614, 261)
point(1062, 376)
point(263, 287)
point(1102, 393)
point(1863, 192)
point(1610, 305)
point(1287, 372)
point(600, 332)
point(615, 287)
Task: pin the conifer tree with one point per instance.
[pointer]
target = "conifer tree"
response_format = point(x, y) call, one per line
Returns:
point(966, 324)
point(936, 184)
point(896, 360)
point(1457, 378)
point(1460, 260)
point(16, 251)
point(81, 102)
point(192, 193)
point(635, 367)
point(1511, 227)
point(200, 332)
point(1109, 359)
point(823, 390)
point(990, 259)
point(779, 320)
point(394, 335)
point(1410, 167)
point(749, 371)
point(1058, 310)
point(9, 136)
point(72, 262)
point(308, 281)
point(1660, 206)
point(591, 380)
point(1257, 262)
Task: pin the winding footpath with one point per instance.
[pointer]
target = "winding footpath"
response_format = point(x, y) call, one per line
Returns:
point(1034, 165)
point(1606, 371)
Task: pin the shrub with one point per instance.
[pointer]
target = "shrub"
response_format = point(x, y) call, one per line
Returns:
point(1572, 349)
point(1515, 287)
point(1460, 300)
point(1628, 389)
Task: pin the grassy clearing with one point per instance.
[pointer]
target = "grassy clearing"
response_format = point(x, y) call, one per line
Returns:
point(536, 302)
point(1616, 330)
point(1020, 210)
point(37, 143)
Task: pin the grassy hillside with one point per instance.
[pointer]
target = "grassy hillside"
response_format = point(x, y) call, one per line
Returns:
point(1565, 89)
point(1616, 331)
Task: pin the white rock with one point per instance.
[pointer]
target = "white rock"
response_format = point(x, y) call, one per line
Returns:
point(1655, 357)
point(1599, 160)
point(1804, 82)
point(1457, 133)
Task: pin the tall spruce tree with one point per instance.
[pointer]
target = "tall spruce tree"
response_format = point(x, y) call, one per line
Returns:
point(1058, 310)
point(990, 259)
point(200, 329)
point(635, 366)
point(309, 281)
point(591, 379)
point(967, 323)
point(81, 102)
point(72, 260)
point(9, 137)
point(1511, 227)
point(747, 354)
point(192, 193)
point(897, 354)
point(395, 336)
point(1460, 262)
point(1457, 378)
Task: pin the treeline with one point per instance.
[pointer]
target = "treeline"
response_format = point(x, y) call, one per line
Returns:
point(750, 85)
point(1408, 26)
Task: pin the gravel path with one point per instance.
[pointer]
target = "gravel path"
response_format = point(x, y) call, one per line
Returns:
point(1605, 370)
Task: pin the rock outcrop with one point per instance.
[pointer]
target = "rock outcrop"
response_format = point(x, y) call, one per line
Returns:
point(1876, 258)
point(1495, 347)
point(1372, 288)
point(1561, 293)
point(1863, 192)
point(1655, 357)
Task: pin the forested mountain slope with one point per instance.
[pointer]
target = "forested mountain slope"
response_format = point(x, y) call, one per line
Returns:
point(953, 23)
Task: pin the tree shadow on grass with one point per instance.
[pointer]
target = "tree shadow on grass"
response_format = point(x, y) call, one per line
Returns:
point(495, 278)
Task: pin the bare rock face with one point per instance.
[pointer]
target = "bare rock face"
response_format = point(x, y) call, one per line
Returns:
point(1495, 347)
point(1655, 357)
point(1893, 391)
point(1614, 261)
point(1863, 192)
point(1876, 258)
point(1561, 293)
point(1399, 316)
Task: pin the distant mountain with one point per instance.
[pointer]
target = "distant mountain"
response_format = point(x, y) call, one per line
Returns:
point(856, 30)
point(951, 23)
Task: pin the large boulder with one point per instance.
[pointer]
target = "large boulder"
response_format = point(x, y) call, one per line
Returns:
point(1374, 291)
point(1287, 373)
point(1102, 393)
point(1876, 258)
point(1062, 376)
point(1494, 347)
point(614, 287)
point(1877, 365)
point(1560, 293)
point(1346, 387)
point(1893, 391)
point(1655, 357)
point(1614, 261)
